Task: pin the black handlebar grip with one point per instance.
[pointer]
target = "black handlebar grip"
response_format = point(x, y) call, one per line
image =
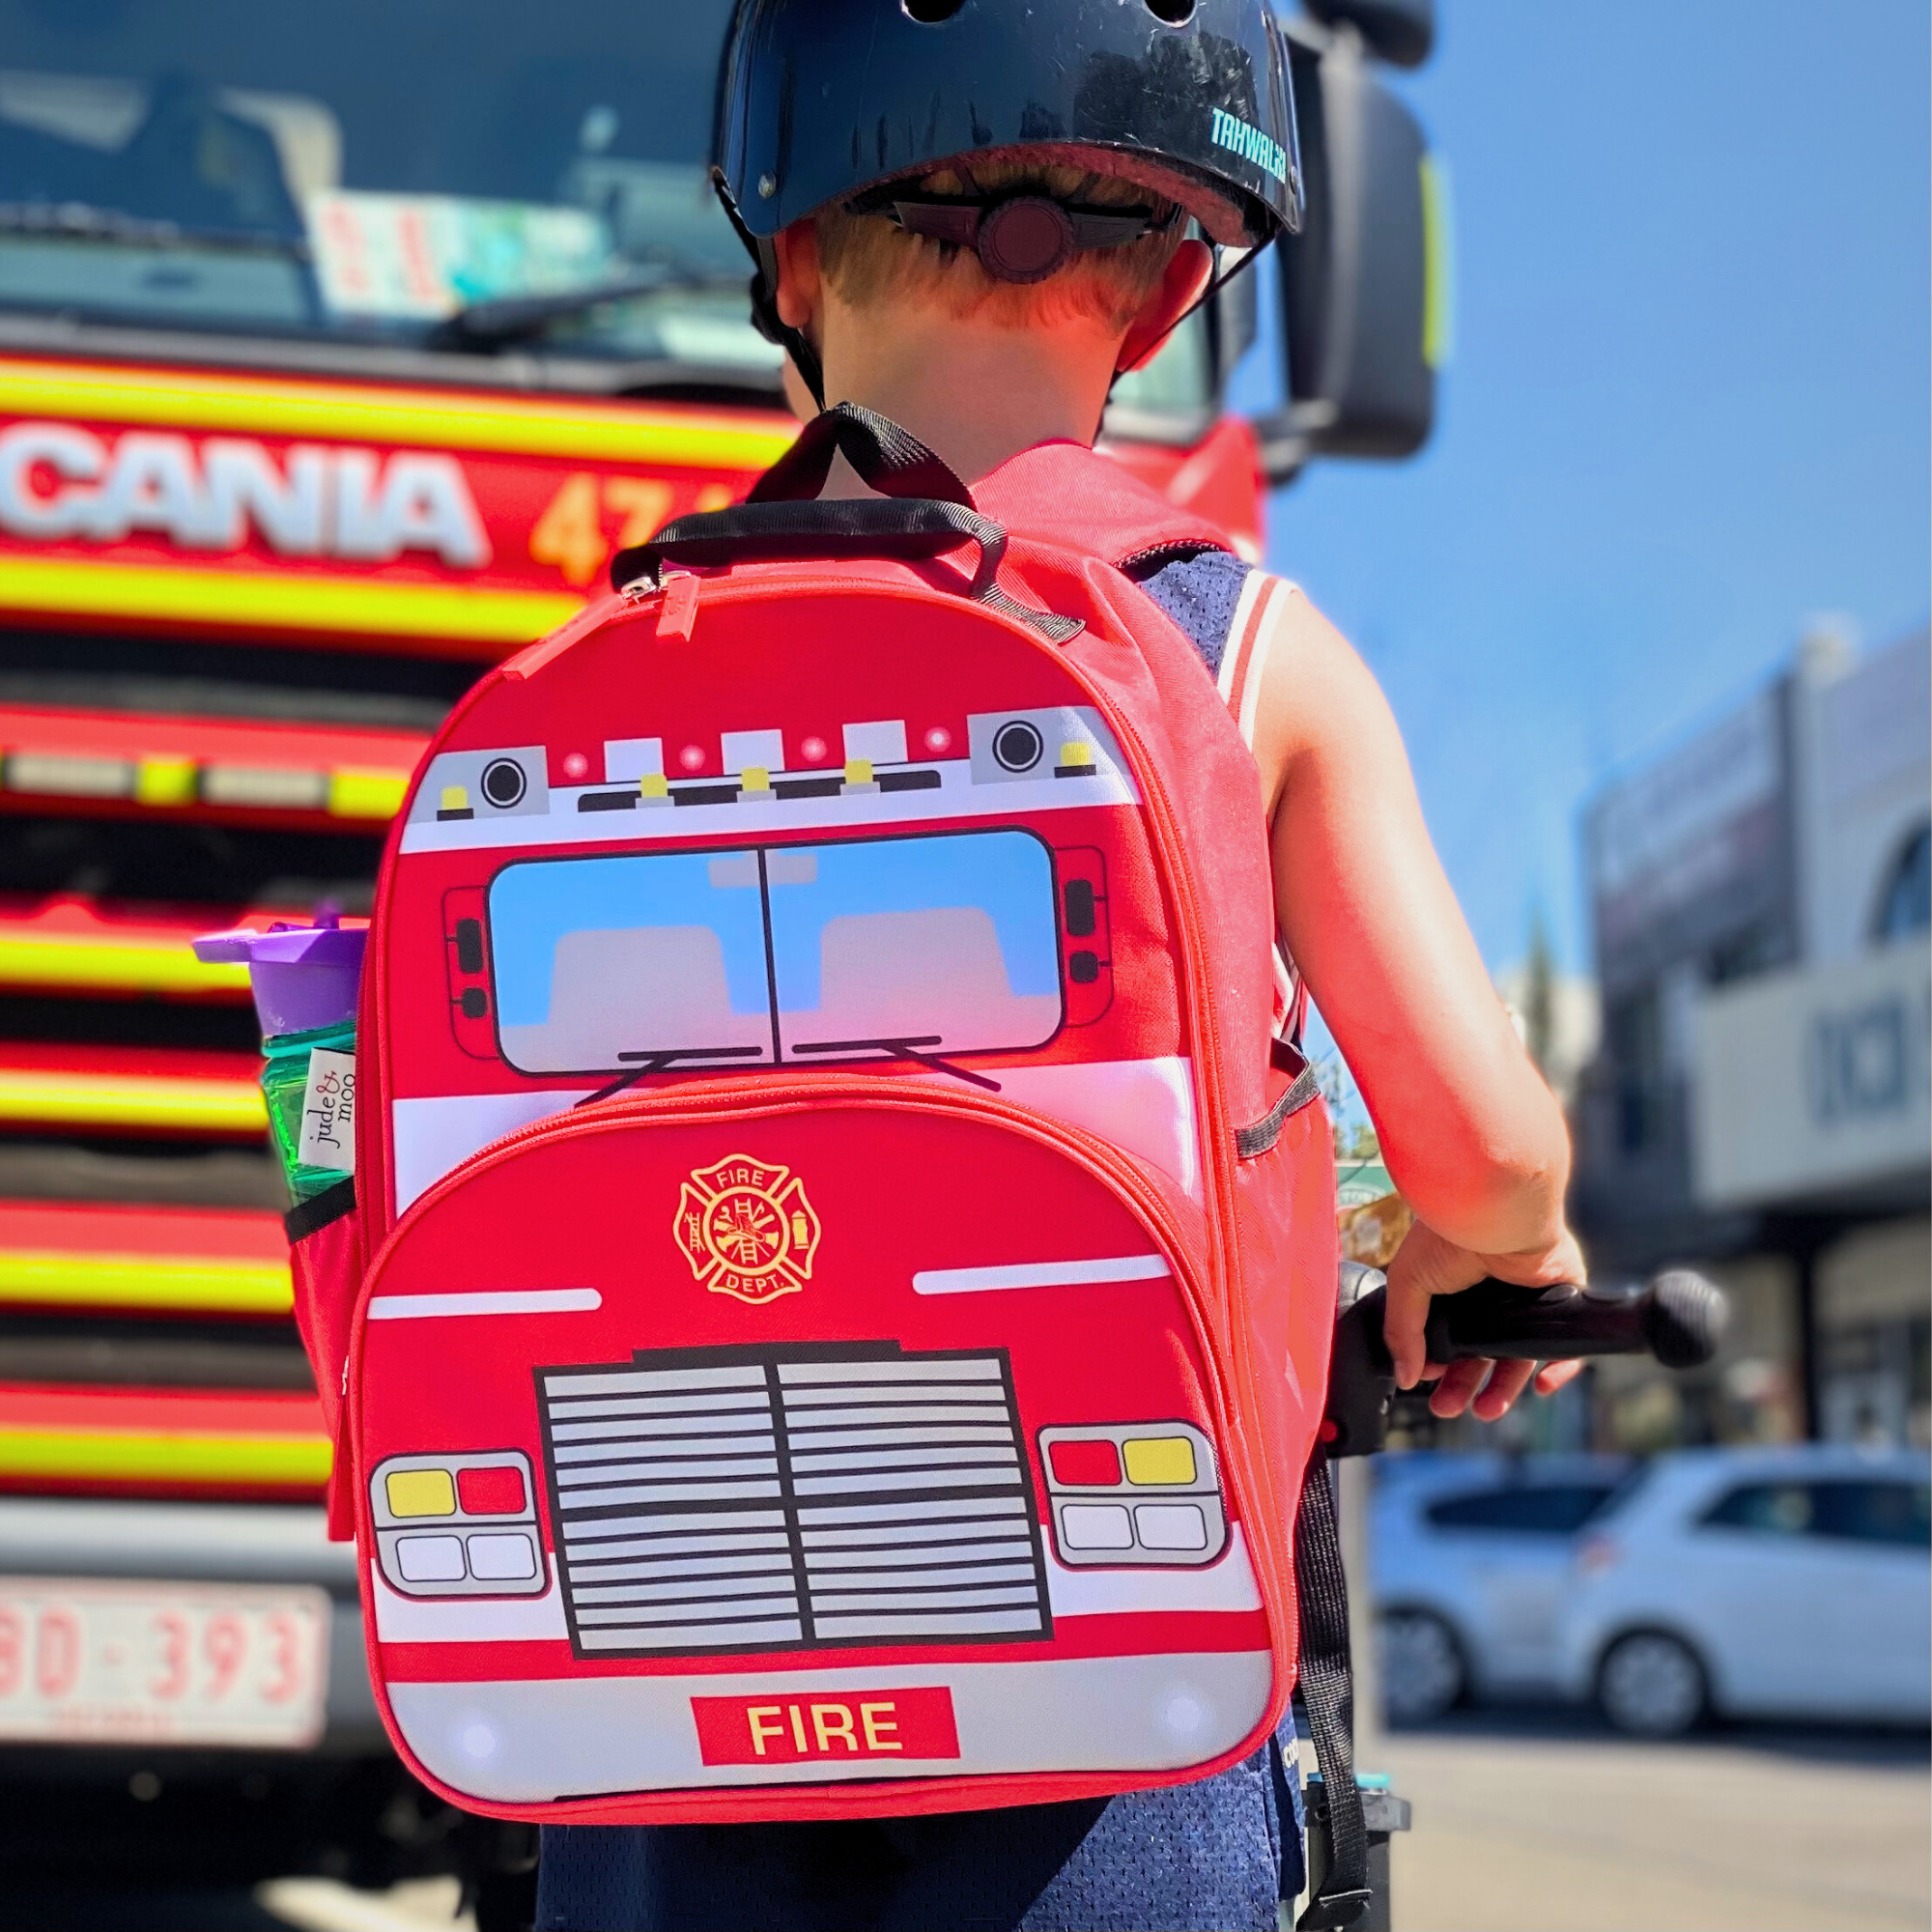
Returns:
point(1679, 1317)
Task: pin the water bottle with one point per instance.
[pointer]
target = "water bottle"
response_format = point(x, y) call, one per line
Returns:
point(304, 979)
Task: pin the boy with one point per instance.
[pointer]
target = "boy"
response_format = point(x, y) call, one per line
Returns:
point(984, 295)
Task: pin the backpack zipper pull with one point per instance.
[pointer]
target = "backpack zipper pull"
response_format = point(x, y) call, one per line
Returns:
point(678, 611)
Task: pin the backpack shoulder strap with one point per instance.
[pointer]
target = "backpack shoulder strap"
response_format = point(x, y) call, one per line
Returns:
point(1232, 611)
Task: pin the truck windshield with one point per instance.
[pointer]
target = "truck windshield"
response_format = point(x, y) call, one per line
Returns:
point(446, 174)
point(371, 171)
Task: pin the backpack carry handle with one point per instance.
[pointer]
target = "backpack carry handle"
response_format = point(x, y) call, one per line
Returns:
point(928, 512)
point(923, 511)
point(768, 532)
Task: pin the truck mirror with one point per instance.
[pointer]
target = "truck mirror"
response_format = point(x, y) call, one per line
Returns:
point(1402, 31)
point(1363, 285)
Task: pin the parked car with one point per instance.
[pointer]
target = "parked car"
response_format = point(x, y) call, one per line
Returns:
point(1470, 1557)
point(1727, 1583)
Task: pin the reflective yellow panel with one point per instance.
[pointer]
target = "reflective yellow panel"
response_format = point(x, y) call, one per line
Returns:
point(1154, 1459)
point(165, 782)
point(425, 1493)
point(366, 794)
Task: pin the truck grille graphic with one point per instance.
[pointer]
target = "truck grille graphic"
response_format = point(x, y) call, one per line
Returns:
point(801, 1497)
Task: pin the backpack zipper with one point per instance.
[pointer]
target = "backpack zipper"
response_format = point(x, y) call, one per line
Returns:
point(741, 1098)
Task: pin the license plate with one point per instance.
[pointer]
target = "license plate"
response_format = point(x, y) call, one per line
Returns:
point(165, 1664)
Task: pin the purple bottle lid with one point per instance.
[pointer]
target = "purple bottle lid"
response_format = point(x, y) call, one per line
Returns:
point(302, 976)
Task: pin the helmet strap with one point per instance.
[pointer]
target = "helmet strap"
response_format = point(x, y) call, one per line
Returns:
point(764, 294)
point(1219, 280)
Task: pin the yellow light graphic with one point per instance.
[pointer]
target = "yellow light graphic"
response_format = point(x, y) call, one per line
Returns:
point(1159, 1460)
point(420, 1492)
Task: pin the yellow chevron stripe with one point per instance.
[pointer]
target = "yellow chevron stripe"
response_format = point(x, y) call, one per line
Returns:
point(282, 601)
point(65, 1279)
point(205, 1104)
point(280, 1462)
point(116, 966)
point(254, 406)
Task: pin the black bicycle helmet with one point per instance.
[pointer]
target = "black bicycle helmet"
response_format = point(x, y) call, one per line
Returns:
point(843, 100)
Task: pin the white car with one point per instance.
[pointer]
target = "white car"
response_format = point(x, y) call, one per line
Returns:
point(1757, 1582)
point(1470, 1558)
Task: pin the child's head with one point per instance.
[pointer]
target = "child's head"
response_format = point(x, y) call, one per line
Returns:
point(868, 259)
point(866, 292)
point(929, 186)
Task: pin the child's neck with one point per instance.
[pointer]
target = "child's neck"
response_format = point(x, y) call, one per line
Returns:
point(975, 394)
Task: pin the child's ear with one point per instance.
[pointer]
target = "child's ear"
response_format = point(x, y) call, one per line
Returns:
point(800, 283)
point(1180, 288)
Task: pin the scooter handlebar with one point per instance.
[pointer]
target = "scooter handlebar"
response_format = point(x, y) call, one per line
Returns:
point(1679, 1317)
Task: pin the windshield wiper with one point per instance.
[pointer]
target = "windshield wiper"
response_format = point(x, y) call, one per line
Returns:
point(81, 221)
point(503, 320)
point(902, 1048)
point(659, 1059)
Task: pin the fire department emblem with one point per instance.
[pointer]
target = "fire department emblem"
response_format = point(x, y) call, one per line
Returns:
point(746, 1229)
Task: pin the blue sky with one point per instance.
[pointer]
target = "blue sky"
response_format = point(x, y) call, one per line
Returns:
point(1686, 409)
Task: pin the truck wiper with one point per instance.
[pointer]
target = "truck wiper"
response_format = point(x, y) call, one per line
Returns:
point(659, 1059)
point(81, 221)
point(912, 1047)
point(504, 320)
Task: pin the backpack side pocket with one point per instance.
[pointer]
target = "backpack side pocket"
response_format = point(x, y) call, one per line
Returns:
point(1285, 1200)
point(325, 1262)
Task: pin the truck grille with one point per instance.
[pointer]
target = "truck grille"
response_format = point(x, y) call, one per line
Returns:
point(803, 1497)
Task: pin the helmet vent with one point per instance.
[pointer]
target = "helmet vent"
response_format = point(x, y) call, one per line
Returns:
point(1176, 12)
point(932, 13)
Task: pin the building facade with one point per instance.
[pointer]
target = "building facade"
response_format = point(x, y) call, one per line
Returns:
point(1759, 1102)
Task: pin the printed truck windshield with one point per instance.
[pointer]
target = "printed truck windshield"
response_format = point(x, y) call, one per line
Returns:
point(795, 953)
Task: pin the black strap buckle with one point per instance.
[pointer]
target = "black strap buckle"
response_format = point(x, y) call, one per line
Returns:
point(1329, 1911)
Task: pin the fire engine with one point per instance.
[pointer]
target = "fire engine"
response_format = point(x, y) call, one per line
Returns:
point(339, 354)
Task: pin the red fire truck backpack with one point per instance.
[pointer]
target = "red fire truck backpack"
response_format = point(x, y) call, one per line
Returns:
point(849, 1270)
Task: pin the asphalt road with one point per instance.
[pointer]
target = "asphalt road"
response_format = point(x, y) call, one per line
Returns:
point(1524, 1822)
point(283, 1905)
point(1543, 1823)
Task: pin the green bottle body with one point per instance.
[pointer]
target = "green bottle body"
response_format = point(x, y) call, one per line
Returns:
point(285, 1072)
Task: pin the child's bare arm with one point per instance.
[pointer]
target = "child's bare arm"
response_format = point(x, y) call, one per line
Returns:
point(1471, 1134)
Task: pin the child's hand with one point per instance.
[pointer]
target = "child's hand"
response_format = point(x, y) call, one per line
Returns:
point(1426, 1266)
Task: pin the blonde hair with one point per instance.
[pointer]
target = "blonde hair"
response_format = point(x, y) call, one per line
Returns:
point(868, 259)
